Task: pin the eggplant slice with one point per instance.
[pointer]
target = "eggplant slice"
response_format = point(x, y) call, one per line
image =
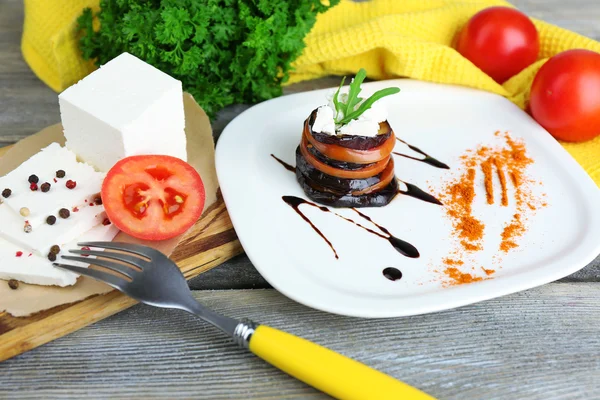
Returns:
point(376, 199)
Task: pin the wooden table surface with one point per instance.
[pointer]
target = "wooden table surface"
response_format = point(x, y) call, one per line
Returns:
point(538, 344)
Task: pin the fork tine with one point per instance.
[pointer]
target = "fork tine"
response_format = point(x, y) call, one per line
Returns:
point(132, 248)
point(109, 279)
point(138, 262)
point(123, 269)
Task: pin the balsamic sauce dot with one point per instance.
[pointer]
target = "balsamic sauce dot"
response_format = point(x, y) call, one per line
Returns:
point(393, 274)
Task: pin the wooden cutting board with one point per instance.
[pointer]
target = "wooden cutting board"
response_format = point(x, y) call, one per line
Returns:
point(209, 243)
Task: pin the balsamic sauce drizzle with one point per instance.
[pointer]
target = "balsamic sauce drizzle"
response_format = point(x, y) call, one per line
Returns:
point(418, 193)
point(295, 203)
point(285, 165)
point(403, 247)
point(427, 160)
point(393, 274)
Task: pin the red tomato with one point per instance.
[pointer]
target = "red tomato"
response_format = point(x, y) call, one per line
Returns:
point(500, 41)
point(565, 95)
point(153, 197)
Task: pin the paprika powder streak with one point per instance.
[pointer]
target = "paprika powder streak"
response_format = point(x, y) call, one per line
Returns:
point(508, 159)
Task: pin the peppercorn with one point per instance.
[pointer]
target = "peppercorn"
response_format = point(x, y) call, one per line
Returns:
point(6, 193)
point(64, 213)
point(24, 211)
point(98, 200)
point(27, 228)
point(106, 222)
point(55, 249)
point(13, 284)
point(86, 248)
point(33, 187)
point(51, 220)
point(33, 179)
point(71, 184)
point(51, 256)
point(45, 187)
point(60, 173)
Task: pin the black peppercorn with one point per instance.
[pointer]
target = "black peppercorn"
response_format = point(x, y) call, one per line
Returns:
point(13, 284)
point(33, 179)
point(64, 213)
point(45, 187)
point(98, 201)
point(51, 220)
point(55, 249)
point(60, 173)
point(51, 256)
point(6, 193)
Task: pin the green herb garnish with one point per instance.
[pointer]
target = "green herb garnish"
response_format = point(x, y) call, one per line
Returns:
point(223, 51)
point(347, 111)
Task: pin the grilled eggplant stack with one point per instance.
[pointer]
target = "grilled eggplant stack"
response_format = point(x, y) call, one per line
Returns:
point(347, 170)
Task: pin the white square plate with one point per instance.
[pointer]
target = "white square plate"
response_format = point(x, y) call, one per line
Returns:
point(444, 121)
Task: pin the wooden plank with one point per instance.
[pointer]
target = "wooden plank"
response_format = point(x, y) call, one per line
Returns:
point(209, 243)
point(3, 150)
point(538, 344)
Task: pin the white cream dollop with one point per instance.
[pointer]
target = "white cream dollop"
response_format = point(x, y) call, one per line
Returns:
point(366, 124)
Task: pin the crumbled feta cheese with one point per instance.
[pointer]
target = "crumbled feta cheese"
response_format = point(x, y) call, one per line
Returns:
point(367, 124)
point(324, 122)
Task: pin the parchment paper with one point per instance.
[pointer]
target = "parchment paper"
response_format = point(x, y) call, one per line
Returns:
point(29, 299)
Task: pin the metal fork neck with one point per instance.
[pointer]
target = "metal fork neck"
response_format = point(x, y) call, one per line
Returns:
point(239, 330)
point(225, 324)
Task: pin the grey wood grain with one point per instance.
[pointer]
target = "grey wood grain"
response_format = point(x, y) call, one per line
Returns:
point(538, 344)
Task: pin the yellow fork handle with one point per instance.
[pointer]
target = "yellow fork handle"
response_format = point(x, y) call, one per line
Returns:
point(326, 370)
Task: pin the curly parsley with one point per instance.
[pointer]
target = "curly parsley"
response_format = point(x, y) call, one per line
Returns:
point(223, 51)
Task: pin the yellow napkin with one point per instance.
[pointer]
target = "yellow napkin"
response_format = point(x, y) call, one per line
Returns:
point(50, 41)
point(389, 38)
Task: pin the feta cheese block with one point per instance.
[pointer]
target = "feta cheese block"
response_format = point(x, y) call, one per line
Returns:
point(16, 263)
point(44, 165)
point(126, 107)
point(42, 237)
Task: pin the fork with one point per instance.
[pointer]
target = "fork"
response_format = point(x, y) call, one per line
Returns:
point(150, 277)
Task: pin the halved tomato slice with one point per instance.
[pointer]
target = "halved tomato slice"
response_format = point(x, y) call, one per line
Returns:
point(153, 197)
